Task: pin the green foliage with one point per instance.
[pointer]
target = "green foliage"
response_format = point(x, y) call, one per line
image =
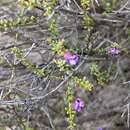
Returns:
point(20, 21)
point(101, 51)
point(115, 45)
point(109, 5)
point(83, 83)
point(28, 4)
point(23, 123)
point(60, 63)
point(26, 126)
point(56, 45)
point(101, 77)
point(87, 22)
point(19, 55)
point(85, 3)
point(69, 110)
point(53, 27)
point(48, 6)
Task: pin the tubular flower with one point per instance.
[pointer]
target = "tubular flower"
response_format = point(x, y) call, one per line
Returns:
point(113, 51)
point(71, 59)
point(78, 104)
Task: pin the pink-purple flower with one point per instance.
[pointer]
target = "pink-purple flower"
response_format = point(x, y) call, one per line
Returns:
point(71, 59)
point(78, 104)
point(99, 128)
point(113, 51)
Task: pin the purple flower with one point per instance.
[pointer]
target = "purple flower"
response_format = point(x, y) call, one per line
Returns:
point(113, 51)
point(71, 59)
point(99, 128)
point(78, 104)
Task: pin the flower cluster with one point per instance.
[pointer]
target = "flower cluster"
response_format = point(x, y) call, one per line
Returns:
point(113, 51)
point(71, 59)
point(78, 104)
